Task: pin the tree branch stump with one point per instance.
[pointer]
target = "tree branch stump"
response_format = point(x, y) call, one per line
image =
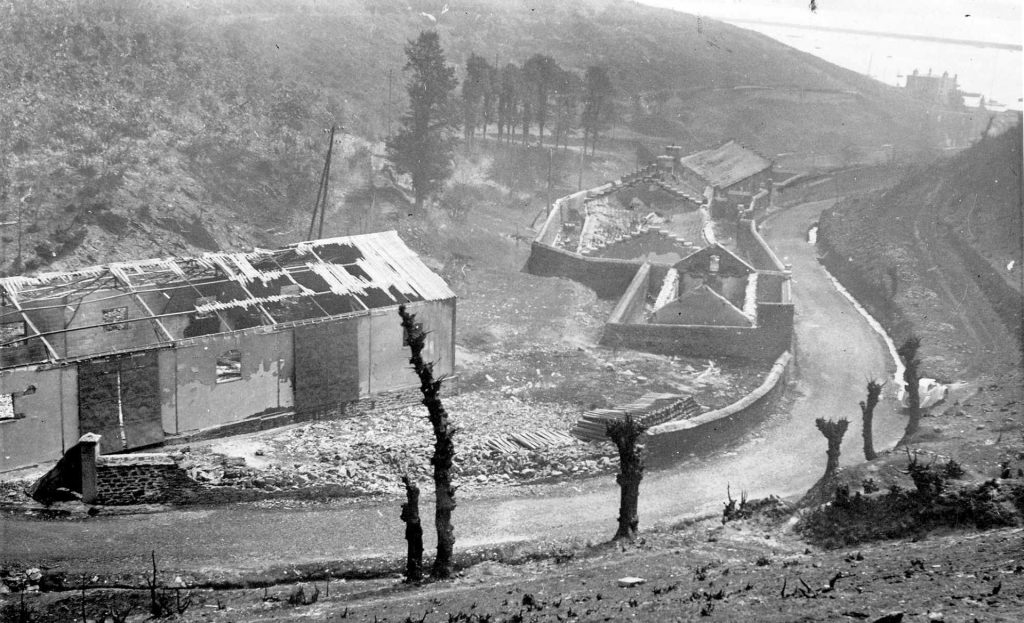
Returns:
point(413, 531)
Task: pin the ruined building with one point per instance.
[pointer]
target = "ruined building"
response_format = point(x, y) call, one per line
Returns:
point(730, 177)
point(143, 351)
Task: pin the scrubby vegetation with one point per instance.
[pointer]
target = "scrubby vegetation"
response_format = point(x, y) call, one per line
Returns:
point(937, 500)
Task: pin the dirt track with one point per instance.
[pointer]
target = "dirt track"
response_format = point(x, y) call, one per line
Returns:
point(836, 352)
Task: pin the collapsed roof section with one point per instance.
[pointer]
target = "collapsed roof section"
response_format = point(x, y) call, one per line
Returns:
point(314, 279)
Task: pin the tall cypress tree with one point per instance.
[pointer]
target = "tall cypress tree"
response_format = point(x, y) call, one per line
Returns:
point(424, 145)
point(597, 100)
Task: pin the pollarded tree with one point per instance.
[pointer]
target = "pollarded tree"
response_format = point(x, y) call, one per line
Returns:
point(867, 409)
point(423, 147)
point(444, 447)
point(911, 377)
point(626, 434)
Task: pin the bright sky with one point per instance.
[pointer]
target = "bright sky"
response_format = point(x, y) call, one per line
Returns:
point(995, 72)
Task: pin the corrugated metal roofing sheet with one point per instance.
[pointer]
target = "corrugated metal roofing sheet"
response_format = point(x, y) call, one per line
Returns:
point(377, 262)
point(724, 166)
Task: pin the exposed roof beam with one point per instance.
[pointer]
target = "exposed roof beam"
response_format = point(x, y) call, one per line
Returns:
point(138, 299)
point(28, 323)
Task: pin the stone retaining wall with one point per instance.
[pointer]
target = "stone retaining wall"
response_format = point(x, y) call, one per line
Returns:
point(816, 187)
point(672, 441)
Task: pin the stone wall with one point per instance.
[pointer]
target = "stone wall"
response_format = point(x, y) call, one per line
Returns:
point(755, 249)
point(608, 277)
point(816, 187)
point(141, 479)
point(627, 327)
point(114, 479)
point(697, 340)
point(672, 441)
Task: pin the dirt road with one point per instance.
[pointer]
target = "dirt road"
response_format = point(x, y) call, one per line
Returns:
point(836, 353)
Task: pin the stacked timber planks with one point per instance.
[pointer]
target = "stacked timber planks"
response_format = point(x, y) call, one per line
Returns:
point(530, 440)
point(649, 410)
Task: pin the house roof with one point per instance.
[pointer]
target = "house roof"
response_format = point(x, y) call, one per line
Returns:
point(702, 306)
point(317, 278)
point(728, 262)
point(723, 166)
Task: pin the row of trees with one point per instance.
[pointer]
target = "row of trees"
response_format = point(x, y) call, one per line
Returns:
point(539, 94)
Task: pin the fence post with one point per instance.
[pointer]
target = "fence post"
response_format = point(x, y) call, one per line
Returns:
point(89, 447)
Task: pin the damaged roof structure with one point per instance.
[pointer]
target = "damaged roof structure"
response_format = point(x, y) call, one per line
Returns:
point(726, 165)
point(316, 279)
point(211, 340)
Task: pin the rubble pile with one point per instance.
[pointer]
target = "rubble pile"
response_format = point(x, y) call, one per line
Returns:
point(368, 454)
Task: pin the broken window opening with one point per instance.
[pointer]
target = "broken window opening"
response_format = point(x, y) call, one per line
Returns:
point(113, 319)
point(714, 264)
point(229, 366)
point(7, 407)
point(11, 331)
point(8, 410)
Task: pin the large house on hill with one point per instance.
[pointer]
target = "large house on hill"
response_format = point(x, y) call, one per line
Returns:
point(144, 350)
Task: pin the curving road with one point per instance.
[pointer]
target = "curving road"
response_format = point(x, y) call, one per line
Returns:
point(836, 353)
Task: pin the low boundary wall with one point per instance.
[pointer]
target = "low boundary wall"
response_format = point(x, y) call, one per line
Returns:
point(667, 443)
point(114, 479)
point(755, 249)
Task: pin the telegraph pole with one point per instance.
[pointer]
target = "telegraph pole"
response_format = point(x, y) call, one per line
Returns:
point(389, 103)
point(321, 194)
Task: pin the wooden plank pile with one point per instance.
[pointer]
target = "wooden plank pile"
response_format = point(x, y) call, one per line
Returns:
point(530, 440)
point(649, 410)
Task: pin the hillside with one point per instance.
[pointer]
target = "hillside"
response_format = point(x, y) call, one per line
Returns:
point(939, 254)
point(131, 129)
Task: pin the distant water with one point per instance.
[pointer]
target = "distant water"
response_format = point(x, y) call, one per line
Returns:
point(993, 72)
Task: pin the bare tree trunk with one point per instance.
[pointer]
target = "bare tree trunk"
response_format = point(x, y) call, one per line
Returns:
point(444, 447)
point(908, 353)
point(413, 531)
point(833, 432)
point(625, 434)
point(867, 410)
